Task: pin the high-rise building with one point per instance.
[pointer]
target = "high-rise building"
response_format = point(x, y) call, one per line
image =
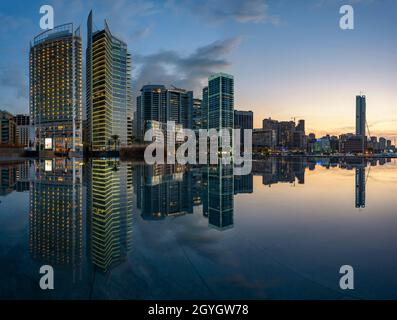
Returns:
point(109, 92)
point(204, 109)
point(24, 131)
point(7, 128)
point(197, 115)
point(158, 105)
point(221, 103)
point(243, 120)
point(55, 88)
point(361, 118)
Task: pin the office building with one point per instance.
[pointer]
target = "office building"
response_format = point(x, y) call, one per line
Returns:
point(55, 88)
point(264, 138)
point(109, 92)
point(243, 120)
point(24, 131)
point(204, 108)
point(158, 105)
point(221, 103)
point(7, 128)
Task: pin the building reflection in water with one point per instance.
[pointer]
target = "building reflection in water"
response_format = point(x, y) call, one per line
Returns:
point(56, 215)
point(14, 176)
point(109, 212)
point(174, 190)
point(56, 219)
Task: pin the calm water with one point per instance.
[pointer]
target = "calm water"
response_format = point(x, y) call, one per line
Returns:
point(115, 230)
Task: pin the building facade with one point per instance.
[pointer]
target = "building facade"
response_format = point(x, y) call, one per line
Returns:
point(55, 88)
point(243, 120)
point(109, 91)
point(7, 128)
point(158, 105)
point(221, 103)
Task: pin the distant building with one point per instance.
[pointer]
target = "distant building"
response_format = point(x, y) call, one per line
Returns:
point(264, 138)
point(288, 135)
point(204, 108)
point(24, 130)
point(197, 115)
point(323, 145)
point(55, 88)
point(158, 105)
point(243, 120)
point(7, 128)
point(382, 144)
point(361, 119)
point(350, 143)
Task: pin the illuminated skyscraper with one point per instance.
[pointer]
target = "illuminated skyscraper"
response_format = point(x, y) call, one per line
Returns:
point(109, 92)
point(55, 88)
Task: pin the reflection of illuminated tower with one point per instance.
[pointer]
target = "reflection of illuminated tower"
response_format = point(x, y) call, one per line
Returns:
point(109, 212)
point(55, 218)
point(220, 196)
point(360, 187)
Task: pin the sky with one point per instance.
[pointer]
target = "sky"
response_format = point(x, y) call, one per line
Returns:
point(290, 59)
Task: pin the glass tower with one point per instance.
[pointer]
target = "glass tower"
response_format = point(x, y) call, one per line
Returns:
point(221, 102)
point(109, 92)
point(55, 88)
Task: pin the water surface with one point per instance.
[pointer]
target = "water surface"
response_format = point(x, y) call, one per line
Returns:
point(117, 230)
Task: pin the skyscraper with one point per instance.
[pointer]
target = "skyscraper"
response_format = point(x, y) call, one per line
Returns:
point(361, 118)
point(109, 94)
point(55, 88)
point(221, 102)
point(204, 109)
point(157, 105)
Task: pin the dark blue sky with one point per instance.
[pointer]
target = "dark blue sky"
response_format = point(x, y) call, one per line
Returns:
point(289, 57)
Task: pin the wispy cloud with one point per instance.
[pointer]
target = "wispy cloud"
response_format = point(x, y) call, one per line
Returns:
point(190, 72)
point(254, 11)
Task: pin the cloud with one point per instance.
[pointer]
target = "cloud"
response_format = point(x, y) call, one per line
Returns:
point(253, 11)
point(190, 72)
point(140, 33)
point(12, 77)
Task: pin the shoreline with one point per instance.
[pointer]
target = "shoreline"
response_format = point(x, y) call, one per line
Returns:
point(254, 158)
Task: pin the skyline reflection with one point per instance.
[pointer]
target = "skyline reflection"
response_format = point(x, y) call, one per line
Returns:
point(85, 218)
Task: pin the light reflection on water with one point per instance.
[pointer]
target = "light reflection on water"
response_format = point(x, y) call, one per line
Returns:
point(117, 230)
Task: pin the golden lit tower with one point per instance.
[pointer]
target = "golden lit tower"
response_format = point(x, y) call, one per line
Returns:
point(55, 88)
point(109, 95)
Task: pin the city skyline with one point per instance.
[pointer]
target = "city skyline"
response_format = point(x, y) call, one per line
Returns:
point(305, 83)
